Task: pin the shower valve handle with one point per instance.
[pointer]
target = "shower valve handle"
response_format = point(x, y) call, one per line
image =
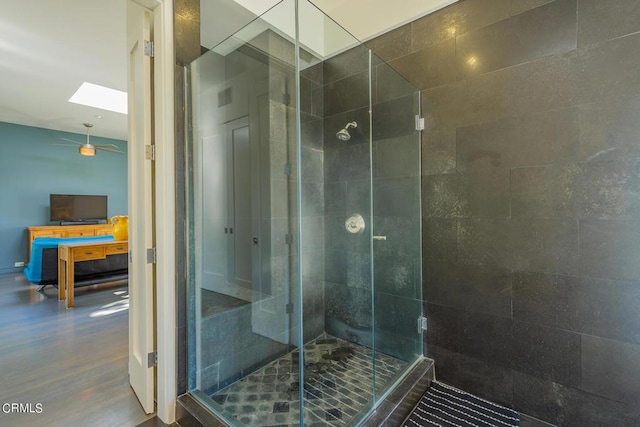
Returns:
point(379, 237)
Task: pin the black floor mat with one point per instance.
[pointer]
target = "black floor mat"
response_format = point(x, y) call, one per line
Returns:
point(445, 406)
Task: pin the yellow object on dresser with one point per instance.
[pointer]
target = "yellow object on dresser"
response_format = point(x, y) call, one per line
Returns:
point(120, 227)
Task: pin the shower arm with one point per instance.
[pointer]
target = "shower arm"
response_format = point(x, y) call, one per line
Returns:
point(351, 125)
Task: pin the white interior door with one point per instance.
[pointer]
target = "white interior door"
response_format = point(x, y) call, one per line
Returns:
point(141, 215)
point(240, 192)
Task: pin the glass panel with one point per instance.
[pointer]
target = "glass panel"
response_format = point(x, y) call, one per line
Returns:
point(397, 246)
point(336, 264)
point(243, 233)
point(302, 152)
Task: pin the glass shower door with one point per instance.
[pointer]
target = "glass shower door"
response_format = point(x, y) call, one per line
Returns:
point(397, 231)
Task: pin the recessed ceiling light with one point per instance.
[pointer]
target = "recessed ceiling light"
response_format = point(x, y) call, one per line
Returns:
point(101, 97)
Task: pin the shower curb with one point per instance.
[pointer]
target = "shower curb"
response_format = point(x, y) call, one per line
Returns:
point(393, 410)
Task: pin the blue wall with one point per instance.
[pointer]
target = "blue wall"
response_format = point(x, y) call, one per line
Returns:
point(31, 169)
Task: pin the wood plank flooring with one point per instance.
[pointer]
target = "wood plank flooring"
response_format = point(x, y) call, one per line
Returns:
point(73, 362)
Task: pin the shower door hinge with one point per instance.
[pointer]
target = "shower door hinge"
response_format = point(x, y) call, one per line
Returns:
point(422, 324)
point(151, 256)
point(152, 359)
point(149, 48)
point(149, 152)
point(419, 122)
point(287, 169)
point(288, 239)
point(286, 98)
point(289, 308)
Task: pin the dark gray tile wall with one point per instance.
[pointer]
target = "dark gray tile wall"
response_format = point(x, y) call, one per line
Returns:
point(531, 206)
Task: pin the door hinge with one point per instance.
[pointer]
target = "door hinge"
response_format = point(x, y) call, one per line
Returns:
point(290, 308)
point(288, 239)
point(152, 359)
point(419, 122)
point(149, 49)
point(151, 256)
point(287, 169)
point(422, 324)
point(286, 99)
point(150, 152)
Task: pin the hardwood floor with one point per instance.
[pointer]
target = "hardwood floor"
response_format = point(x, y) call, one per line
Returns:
point(72, 362)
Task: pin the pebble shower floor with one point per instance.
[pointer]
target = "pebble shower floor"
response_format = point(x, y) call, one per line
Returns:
point(338, 377)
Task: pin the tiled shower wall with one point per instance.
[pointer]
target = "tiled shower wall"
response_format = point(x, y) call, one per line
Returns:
point(348, 168)
point(531, 201)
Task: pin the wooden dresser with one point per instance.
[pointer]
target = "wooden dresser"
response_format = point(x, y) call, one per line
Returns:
point(67, 231)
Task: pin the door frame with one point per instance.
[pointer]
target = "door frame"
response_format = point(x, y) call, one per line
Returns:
point(164, 319)
point(165, 208)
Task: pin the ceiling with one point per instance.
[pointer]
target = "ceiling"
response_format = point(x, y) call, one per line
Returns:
point(49, 50)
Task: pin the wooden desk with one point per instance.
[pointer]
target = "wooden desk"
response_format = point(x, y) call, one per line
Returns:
point(82, 251)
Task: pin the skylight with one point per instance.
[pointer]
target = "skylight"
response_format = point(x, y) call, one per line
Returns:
point(101, 97)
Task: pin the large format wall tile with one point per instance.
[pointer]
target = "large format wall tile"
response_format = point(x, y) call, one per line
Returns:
point(393, 44)
point(568, 406)
point(429, 67)
point(548, 246)
point(599, 20)
point(610, 249)
point(617, 377)
point(530, 201)
point(457, 19)
point(610, 189)
point(608, 71)
point(546, 353)
point(439, 239)
point(604, 308)
point(544, 191)
point(519, 6)
point(474, 376)
point(475, 289)
point(346, 94)
point(393, 157)
point(442, 328)
point(543, 31)
point(391, 85)
point(486, 337)
point(487, 190)
point(609, 131)
point(394, 118)
point(346, 64)
point(444, 196)
point(439, 135)
point(484, 242)
point(549, 137)
point(399, 197)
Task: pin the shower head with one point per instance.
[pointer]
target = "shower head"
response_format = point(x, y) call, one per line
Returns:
point(343, 134)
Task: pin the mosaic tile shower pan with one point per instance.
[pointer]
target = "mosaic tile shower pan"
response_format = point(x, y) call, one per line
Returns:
point(338, 378)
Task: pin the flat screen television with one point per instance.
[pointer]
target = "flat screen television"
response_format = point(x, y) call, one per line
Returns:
point(77, 208)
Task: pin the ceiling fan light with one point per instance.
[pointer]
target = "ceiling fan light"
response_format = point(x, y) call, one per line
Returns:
point(87, 150)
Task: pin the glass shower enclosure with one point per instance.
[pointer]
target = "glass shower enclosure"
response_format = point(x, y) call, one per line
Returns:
point(303, 194)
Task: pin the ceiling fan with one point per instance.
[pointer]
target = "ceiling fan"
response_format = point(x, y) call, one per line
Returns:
point(88, 149)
